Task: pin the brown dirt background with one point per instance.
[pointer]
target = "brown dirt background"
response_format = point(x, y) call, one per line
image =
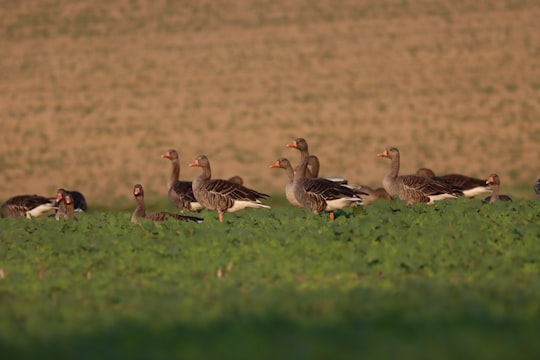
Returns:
point(93, 92)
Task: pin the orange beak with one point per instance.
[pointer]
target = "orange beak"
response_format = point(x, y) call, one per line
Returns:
point(489, 181)
point(58, 197)
point(166, 155)
point(68, 199)
point(275, 165)
point(194, 163)
point(292, 145)
point(383, 154)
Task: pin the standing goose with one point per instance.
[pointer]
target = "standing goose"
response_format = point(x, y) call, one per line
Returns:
point(222, 195)
point(180, 192)
point(319, 194)
point(537, 188)
point(66, 205)
point(470, 186)
point(284, 163)
point(495, 182)
point(140, 211)
point(26, 206)
point(414, 188)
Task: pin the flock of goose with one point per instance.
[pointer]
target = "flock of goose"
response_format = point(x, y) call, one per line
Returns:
point(304, 189)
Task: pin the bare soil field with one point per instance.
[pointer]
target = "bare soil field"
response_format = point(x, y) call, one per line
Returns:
point(93, 92)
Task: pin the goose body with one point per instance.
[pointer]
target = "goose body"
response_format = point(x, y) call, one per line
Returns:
point(140, 210)
point(28, 206)
point(371, 195)
point(319, 194)
point(180, 192)
point(414, 188)
point(470, 186)
point(495, 182)
point(222, 195)
point(65, 204)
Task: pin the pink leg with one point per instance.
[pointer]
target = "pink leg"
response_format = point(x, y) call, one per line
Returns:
point(220, 217)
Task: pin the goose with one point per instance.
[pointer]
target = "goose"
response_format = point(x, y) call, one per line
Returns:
point(319, 194)
point(26, 206)
point(78, 199)
point(284, 163)
point(537, 188)
point(140, 210)
point(237, 180)
point(65, 204)
point(371, 194)
point(470, 186)
point(425, 172)
point(313, 167)
point(180, 192)
point(414, 188)
point(495, 182)
point(222, 195)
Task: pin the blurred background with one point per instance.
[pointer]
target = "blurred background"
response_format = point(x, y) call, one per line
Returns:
point(93, 92)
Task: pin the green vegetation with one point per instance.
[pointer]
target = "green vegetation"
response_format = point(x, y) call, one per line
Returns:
point(457, 279)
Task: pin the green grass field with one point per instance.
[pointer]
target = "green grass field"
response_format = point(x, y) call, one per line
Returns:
point(455, 280)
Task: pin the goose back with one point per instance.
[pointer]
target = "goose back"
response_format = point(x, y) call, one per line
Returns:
point(26, 206)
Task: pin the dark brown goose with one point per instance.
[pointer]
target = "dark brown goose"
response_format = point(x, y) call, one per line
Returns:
point(65, 205)
point(26, 206)
point(180, 192)
point(79, 201)
point(371, 194)
point(222, 195)
point(237, 180)
point(425, 172)
point(470, 186)
point(414, 188)
point(284, 163)
point(495, 182)
point(319, 194)
point(140, 211)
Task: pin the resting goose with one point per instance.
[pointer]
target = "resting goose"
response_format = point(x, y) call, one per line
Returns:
point(495, 182)
point(414, 188)
point(65, 204)
point(425, 172)
point(180, 192)
point(284, 163)
point(237, 180)
point(222, 195)
point(140, 211)
point(469, 186)
point(372, 194)
point(78, 199)
point(319, 194)
point(26, 205)
point(537, 188)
